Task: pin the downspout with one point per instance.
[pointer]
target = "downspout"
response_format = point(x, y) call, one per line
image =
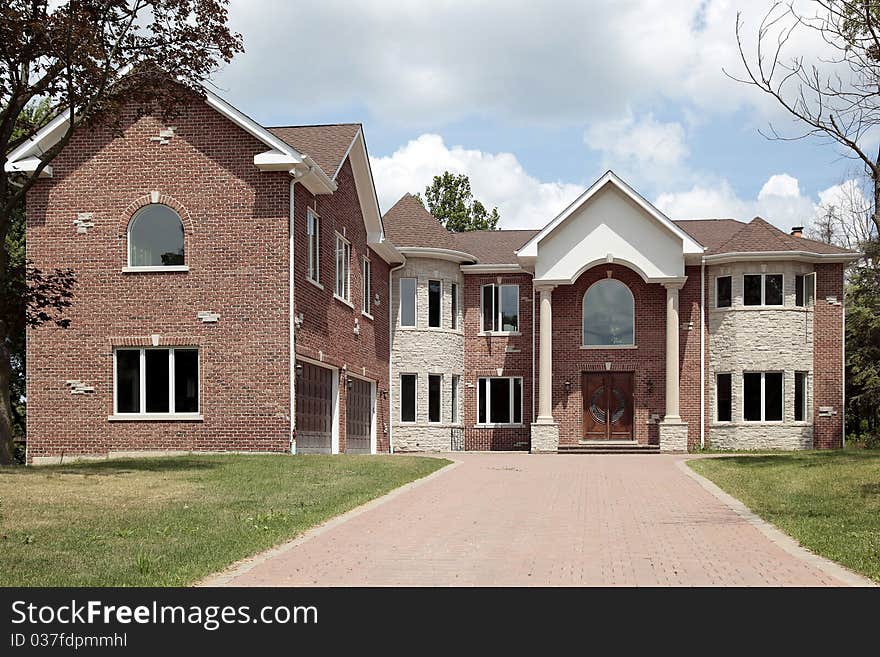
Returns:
point(843, 359)
point(702, 354)
point(533, 348)
point(290, 300)
point(391, 353)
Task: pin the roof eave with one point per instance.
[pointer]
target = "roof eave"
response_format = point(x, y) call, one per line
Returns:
point(440, 254)
point(739, 256)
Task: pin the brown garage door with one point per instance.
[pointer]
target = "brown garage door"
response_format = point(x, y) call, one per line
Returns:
point(359, 416)
point(314, 409)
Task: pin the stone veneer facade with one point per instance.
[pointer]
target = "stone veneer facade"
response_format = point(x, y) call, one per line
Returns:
point(423, 350)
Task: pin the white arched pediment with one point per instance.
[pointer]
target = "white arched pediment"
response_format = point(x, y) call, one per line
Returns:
point(609, 223)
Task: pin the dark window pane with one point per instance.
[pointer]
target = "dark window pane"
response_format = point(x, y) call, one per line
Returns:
point(186, 381)
point(453, 321)
point(488, 308)
point(773, 396)
point(155, 237)
point(434, 288)
point(810, 289)
point(724, 291)
point(481, 404)
point(608, 314)
point(517, 401)
point(434, 398)
point(752, 396)
point(407, 302)
point(724, 398)
point(800, 397)
point(128, 381)
point(499, 398)
point(510, 307)
point(799, 290)
point(157, 380)
point(454, 398)
point(752, 290)
point(408, 398)
point(773, 290)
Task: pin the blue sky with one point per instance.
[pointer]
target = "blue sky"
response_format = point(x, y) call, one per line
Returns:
point(536, 100)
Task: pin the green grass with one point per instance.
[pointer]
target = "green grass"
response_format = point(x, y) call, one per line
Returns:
point(829, 501)
point(172, 521)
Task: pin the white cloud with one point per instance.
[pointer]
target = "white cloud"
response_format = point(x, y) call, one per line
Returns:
point(421, 63)
point(497, 179)
point(644, 140)
point(779, 201)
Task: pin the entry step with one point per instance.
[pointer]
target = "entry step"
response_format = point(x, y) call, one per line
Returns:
point(609, 447)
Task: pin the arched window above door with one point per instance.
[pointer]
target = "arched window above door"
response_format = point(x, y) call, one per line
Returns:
point(608, 315)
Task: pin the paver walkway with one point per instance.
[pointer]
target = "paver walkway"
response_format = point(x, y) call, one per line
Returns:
point(519, 519)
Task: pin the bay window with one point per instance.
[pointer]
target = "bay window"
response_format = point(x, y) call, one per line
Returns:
point(762, 396)
point(762, 289)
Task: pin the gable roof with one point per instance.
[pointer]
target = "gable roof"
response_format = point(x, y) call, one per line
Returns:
point(327, 144)
point(690, 245)
point(711, 233)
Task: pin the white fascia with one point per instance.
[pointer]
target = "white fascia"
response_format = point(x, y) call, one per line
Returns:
point(775, 256)
point(440, 254)
point(511, 268)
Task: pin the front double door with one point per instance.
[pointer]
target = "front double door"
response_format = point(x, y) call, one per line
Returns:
point(608, 405)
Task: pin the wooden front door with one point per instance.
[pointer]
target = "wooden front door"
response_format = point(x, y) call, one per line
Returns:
point(608, 405)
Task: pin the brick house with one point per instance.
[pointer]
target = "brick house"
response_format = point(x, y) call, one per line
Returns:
point(239, 290)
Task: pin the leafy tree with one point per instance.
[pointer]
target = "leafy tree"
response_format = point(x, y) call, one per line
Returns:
point(87, 59)
point(449, 198)
point(863, 345)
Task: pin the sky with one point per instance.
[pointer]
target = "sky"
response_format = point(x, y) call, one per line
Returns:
point(536, 100)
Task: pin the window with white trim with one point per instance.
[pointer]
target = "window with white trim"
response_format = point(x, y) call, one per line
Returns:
point(366, 286)
point(156, 381)
point(762, 289)
point(313, 232)
point(408, 384)
point(343, 268)
point(723, 292)
point(453, 397)
point(724, 396)
point(435, 294)
point(499, 400)
point(435, 383)
point(800, 396)
point(453, 319)
point(805, 289)
point(407, 288)
point(500, 308)
point(762, 396)
point(155, 237)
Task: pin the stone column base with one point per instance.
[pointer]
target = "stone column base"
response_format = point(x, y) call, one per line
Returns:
point(545, 438)
point(673, 436)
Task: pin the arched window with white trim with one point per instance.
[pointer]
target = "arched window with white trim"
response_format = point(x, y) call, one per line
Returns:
point(609, 315)
point(155, 237)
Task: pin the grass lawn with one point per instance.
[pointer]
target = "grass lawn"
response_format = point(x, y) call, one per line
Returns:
point(171, 521)
point(829, 501)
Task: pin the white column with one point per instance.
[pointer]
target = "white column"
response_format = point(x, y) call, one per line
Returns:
point(672, 385)
point(545, 360)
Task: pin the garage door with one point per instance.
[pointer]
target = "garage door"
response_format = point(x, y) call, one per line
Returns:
point(314, 410)
point(359, 416)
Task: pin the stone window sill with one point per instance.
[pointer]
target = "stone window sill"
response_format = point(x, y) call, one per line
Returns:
point(598, 347)
point(315, 283)
point(367, 315)
point(501, 334)
point(499, 426)
point(156, 417)
point(343, 301)
point(155, 270)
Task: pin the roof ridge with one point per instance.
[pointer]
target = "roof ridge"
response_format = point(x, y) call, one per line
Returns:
point(313, 125)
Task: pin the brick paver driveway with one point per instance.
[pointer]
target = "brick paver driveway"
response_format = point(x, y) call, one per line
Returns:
point(518, 519)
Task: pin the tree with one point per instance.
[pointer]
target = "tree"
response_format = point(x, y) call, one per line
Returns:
point(449, 198)
point(87, 60)
point(863, 345)
point(836, 98)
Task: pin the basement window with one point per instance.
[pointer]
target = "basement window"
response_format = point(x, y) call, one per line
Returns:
point(156, 383)
point(762, 396)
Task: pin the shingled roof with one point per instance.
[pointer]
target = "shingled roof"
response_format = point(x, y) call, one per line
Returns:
point(325, 144)
point(494, 247)
point(408, 224)
point(757, 236)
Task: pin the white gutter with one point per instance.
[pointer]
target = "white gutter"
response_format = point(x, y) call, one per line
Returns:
point(804, 256)
point(292, 311)
point(511, 268)
point(439, 253)
point(391, 354)
point(702, 355)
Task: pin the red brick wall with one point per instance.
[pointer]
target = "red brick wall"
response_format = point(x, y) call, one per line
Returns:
point(327, 333)
point(828, 357)
point(689, 356)
point(236, 247)
point(483, 355)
